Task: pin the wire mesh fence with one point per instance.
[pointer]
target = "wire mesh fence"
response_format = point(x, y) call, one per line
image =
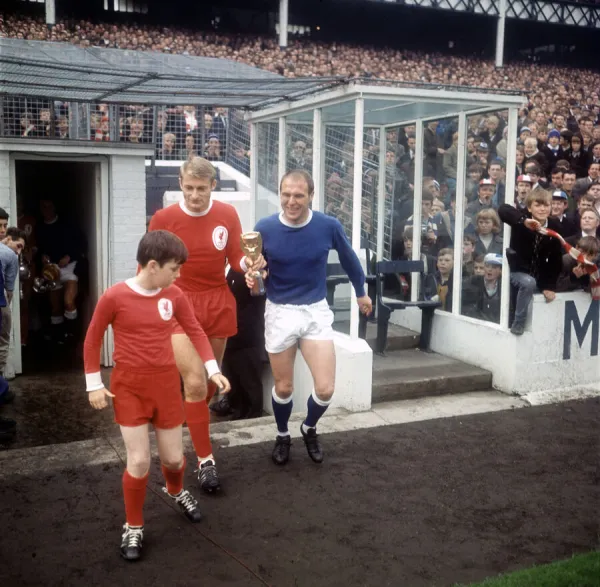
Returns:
point(267, 198)
point(299, 147)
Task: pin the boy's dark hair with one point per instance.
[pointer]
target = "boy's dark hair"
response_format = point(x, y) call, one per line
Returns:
point(556, 170)
point(446, 251)
point(498, 162)
point(469, 238)
point(427, 196)
point(161, 246)
point(478, 259)
point(587, 197)
point(16, 233)
point(589, 245)
point(3, 214)
point(408, 233)
point(589, 187)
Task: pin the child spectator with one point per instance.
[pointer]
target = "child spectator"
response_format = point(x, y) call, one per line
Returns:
point(524, 183)
point(535, 259)
point(406, 278)
point(443, 278)
point(574, 275)
point(487, 227)
point(478, 265)
point(468, 255)
point(560, 203)
point(488, 298)
point(437, 206)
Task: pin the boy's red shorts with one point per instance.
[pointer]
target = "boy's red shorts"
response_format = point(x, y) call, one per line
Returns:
point(215, 310)
point(147, 396)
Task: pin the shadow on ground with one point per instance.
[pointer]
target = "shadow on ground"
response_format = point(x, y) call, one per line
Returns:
point(422, 504)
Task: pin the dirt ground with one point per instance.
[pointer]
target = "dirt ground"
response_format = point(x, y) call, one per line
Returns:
point(422, 504)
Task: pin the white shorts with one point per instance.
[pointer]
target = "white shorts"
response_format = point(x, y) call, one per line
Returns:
point(67, 273)
point(286, 324)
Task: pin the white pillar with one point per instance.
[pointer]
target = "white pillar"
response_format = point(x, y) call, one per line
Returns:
point(459, 212)
point(50, 13)
point(318, 203)
point(418, 195)
point(509, 198)
point(283, 22)
point(253, 171)
point(500, 31)
point(281, 149)
point(381, 191)
point(359, 112)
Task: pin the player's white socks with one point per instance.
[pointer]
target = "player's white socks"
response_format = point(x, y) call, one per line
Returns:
point(203, 460)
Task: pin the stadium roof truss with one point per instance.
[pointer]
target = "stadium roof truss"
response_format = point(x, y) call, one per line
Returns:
point(368, 104)
point(566, 12)
point(60, 71)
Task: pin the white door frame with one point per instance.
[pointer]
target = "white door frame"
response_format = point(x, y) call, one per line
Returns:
point(101, 211)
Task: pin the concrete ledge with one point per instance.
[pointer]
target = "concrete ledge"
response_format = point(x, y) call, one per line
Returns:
point(558, 351)
point(102, 451)
point(353, 377)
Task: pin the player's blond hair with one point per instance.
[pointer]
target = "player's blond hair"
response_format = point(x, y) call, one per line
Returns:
point(198, 167)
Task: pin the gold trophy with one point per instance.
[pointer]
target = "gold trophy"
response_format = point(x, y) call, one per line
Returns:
point(251, 243)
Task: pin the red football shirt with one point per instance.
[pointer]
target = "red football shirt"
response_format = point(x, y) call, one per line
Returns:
point(142, 322)
point(212, 239)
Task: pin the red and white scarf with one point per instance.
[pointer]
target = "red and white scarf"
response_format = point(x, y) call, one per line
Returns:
point(590, 268)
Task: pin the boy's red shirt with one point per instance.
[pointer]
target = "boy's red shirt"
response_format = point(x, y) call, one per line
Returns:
point(142, 323)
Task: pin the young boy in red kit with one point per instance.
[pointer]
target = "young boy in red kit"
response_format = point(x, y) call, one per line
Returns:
point(145, 381)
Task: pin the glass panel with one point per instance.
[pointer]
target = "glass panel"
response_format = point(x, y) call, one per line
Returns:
point(299, 147)
point(437, 226)
point(483, 246)
point(339, 174)
point(399, 202)
point(238, 142)
point(267, 198)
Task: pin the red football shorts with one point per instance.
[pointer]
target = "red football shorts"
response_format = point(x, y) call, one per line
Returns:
point(147, 396)
point(215, 310)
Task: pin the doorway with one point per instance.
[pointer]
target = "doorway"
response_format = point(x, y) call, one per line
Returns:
point(48, 345)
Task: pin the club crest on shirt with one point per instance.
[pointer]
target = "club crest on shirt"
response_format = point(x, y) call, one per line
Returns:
point(165, 309)
point(219, 237)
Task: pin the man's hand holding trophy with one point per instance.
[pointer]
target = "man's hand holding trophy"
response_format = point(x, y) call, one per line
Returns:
point(251, 243)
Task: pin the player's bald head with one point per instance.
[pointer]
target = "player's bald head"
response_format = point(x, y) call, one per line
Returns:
point(299, 175)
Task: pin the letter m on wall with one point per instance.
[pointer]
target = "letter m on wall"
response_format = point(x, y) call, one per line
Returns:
point(572, 323)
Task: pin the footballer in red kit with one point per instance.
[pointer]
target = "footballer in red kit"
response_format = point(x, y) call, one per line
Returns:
point(145, 387)
point(211, 232)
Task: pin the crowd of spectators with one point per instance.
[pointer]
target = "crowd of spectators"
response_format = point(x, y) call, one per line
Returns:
point(558, 139)
point(547, 86)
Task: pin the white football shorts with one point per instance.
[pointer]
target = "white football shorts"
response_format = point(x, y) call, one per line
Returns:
point(286, 324)
point(67, 273)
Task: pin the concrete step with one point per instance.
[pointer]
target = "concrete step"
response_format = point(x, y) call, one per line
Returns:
point(411, 373)
point(399, 338)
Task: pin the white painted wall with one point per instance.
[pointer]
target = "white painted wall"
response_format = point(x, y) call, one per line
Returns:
point(532, 362)
point(353, 377)
point(127, 214)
